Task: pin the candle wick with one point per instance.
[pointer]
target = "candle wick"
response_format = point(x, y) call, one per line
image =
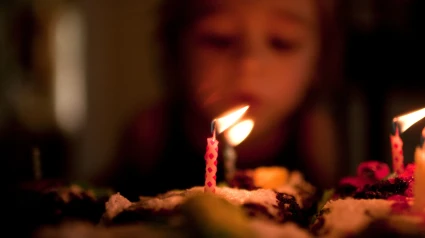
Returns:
point(213, 129)
point(396, 127)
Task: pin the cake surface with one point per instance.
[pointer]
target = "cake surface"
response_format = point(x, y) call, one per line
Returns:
point(373, 201)
point(86, 230)
point(266, 202)
point(52, 202)
point(230, 212)
point(351, 217)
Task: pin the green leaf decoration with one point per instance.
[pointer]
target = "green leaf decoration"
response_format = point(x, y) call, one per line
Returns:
point(327, 195)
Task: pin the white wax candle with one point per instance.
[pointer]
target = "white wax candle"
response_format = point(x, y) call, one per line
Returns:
point(229, 162)
point(419, 187)
point(211, 165)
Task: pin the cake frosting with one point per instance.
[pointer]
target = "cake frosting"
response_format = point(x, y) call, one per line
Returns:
point(264, 204)
point(373, 196)
point(278, 179)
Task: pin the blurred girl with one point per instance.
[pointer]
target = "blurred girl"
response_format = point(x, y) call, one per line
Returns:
point(279, 56)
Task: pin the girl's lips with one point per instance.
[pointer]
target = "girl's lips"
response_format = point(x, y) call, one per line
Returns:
point(244, 100)
point(224, 105)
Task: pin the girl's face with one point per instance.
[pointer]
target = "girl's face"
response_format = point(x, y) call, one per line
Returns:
point(257, 52)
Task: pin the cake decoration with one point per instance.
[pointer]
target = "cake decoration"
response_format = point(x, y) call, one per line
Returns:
point(274, 201)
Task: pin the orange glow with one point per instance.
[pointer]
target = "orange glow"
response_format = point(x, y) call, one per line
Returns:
point(229, 119)
point(236, 134)
point(407, 120)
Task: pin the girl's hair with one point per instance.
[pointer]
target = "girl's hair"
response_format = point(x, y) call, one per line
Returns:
point(177, 16)
point(330, 64)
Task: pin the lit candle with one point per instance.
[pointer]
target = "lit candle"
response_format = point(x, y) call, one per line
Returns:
point(211, 163)
point(234, 136)
point(219, 125)
point(397, 148)
point(419, 185)
point(401, 124)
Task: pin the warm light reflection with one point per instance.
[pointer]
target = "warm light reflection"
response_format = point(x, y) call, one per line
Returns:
point(236, 134)
point(229, 119)
point(69, 77)
point(407, 120)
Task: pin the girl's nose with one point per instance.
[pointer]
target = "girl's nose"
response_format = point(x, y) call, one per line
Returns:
point(249, 60)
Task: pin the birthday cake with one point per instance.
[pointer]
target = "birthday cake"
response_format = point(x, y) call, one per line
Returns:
point(372, 203)
point(272, 202)
point(375, 202)
point(275, 210)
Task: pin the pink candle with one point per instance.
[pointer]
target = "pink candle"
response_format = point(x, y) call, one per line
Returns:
point(218, 126)
point(211, 165)
point(397, 150)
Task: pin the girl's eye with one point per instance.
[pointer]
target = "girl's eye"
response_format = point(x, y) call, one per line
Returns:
point(217, 41)
point(281, 44)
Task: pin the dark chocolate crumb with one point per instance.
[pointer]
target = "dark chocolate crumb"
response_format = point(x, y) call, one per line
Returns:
point(379, 190)
point(243, 180)
point(383, 189)
point(345, 190)
point(289, 210)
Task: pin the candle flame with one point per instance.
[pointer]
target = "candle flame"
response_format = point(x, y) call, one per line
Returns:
point(407, 120)
point(224, 122)
point(236, 134)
